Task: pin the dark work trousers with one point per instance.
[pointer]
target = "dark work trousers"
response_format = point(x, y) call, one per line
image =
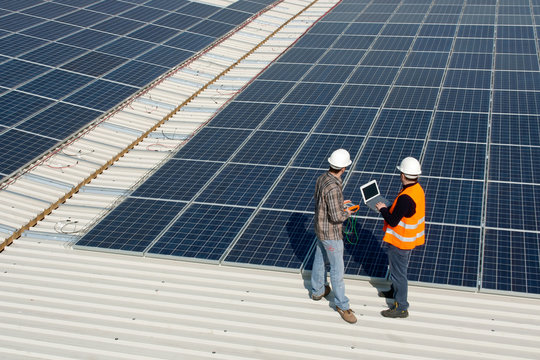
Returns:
point(399, 261)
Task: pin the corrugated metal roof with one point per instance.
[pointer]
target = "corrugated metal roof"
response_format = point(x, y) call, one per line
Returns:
point(59, 303)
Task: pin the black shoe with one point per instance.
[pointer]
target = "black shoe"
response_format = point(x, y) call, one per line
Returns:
point(327, 290)
point(395, 313)
point(387, 294)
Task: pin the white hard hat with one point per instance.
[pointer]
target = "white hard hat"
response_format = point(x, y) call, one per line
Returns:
point(339, 159)
point(410, 167)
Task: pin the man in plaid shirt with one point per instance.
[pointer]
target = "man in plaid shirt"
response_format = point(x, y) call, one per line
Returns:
point(329, 217)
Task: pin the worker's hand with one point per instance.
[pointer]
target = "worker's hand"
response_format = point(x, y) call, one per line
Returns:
point(380, 205)
point(348, 211)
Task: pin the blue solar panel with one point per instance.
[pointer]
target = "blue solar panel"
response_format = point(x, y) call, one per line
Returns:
point(241, 115)
point(126, 47)
point(136, 73)
point(353, 42)
point(211, 28)
point(53, 54)
point(367, 77)
point(516, 102)
point(132, 226)
point(427, 59)
point(455, 160)
point(202, 232)
point(48, 10)
point(511, 261)
point(420, 77)
point(364, 95)
point(450, 256)
point(346, 120)
point(153, 33)
point(82, 18)
point(449, 125)
point(225, 143)
point(94, 64)
point(229, 16)
point(329, 73)
point(56, 84)
point(405, 97)
point(299, 118)
point(59, 121)
point(234, 185)
point(516, 62)
point(167, 4)
point(18, 4)
point(15, 44)
point(11, 144)
point(51, 30)
point(198, 9)
point(270, 91)
point(512, 206)
point(515, 129)
point(514, 163)
point(17, 21)
point(189, 41)
point(376, 75)
point(383, 154)
point(452, 201)
point(165, 56)
point(313, 93)
point(315, 152)
point(144, 14)
point(409, 124)
point(178, 21)
point(16, 72)
point(117, 25)
point(177, 180)
point(294, 191)
point(285, 72)
point(274, 239)
point(102, 95)
point(17, 105)
point(270, 148)
point(517, 80)
point(88, 39)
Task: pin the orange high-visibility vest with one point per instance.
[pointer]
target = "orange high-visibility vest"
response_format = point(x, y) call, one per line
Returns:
point(409, 233)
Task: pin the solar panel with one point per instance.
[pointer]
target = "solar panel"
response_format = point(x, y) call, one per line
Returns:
point(129, 43)
point(177, 180)
point(224, 188)
point(202, 232)
point(511, 261)
point(132, 226)
point(274, 239)
point(455, 85)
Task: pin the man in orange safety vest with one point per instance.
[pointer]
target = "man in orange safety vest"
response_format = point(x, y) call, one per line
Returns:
point(404, 225)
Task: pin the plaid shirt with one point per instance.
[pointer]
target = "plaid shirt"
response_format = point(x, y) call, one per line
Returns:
point(329, 212)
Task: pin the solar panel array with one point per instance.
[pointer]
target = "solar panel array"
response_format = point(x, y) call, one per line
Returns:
point(453, 83)
point(64, 63)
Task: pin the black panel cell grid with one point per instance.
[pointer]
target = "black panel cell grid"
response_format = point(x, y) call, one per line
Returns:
point(511, 261)
point(132, 226)
point(450, 256)
point(202, 232)
point(177, 180)
point(274, 239)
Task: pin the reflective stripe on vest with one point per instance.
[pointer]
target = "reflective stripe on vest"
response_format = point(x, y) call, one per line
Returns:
point(409, 233)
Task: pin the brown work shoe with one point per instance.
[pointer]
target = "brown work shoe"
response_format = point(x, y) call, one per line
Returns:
point(327, 290)
point(347, 315)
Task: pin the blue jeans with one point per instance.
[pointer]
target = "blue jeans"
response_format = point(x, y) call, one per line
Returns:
point(329, 252)
point(399, 262)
